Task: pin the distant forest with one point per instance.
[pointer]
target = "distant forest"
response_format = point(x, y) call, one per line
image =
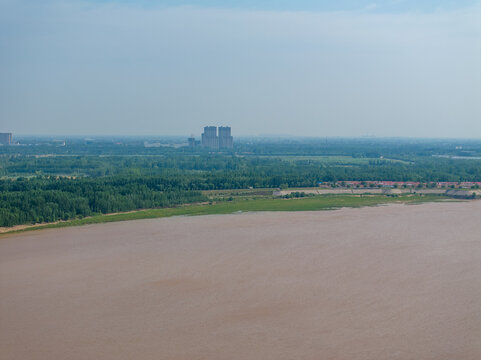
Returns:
point(44, 183)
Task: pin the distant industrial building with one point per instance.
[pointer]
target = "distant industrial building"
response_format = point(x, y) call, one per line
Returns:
point(6, 138)
point(193, 143)
point(461, 194)
point(211, 140)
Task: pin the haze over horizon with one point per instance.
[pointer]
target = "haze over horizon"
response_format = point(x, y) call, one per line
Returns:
point(389, 68)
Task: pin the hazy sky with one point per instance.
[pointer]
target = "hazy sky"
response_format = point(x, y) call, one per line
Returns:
point(305, 67)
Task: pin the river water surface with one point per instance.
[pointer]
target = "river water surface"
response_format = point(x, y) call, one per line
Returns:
point(388, 282)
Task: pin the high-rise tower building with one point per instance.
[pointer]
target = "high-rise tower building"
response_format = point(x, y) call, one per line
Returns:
point(226, 141)
point(5, 138)
point(209, 137)
point(211, 140)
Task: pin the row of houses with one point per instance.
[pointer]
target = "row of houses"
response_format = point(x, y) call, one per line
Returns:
point(441, 184)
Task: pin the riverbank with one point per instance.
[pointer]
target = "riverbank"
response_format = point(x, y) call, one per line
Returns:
point(244, 204)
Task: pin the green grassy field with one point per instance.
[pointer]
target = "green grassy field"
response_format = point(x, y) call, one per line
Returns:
point(331, 159)
point(325, 202)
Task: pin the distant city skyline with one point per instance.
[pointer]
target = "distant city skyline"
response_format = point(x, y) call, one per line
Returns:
point(284, 68)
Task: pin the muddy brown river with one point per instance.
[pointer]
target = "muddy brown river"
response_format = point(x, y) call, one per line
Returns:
point(388, 282)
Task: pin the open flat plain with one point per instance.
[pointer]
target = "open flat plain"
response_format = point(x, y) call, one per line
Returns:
point(386, 282)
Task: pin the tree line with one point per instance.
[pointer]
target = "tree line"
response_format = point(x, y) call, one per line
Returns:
point(43, 189)
point(41, 199)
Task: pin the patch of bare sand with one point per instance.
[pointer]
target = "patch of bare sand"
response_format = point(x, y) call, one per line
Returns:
point(12, 229)
point(391, 282)
point(25, 226)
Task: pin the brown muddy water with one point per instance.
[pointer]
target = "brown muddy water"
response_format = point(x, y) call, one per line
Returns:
point(389, 282)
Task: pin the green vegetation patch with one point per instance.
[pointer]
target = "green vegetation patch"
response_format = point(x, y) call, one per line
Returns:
point(326, 202)
point(336, 160)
